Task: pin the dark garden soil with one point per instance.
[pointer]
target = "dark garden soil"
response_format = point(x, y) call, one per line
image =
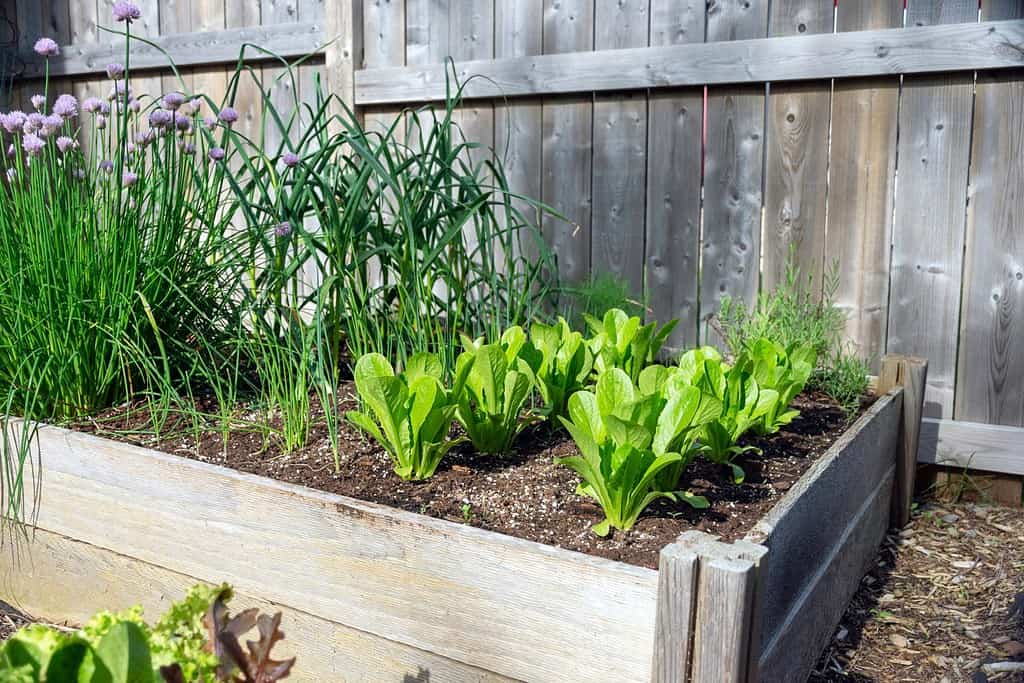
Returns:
point(944, 602)
point(11, 619)
point(523, 493)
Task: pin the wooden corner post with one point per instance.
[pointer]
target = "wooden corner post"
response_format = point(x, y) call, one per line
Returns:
point(709, 610)
point(910, 373)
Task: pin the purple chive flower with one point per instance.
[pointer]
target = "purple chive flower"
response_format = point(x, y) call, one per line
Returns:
point(130, 148)
point(173, 100)
point(64, 143)
point(143, 138)
point(38, 102)
point(126, 11)
point(210, 122)
point(134, 105)
point(216, 153)
point(33, 122)
point(194, 105)
point(51, 124)
point(115, 70)
point(66, 106)
point(160, 118)
point(101, 121)
point(290, 159)
point(107, 166)
point(91, 104)
point(182, 122)
point(46, 47)
point(128, 178)
point(13, 121)
point(228, 115)
point(120, 89)
point(32, 144)
point(283, 229)
point(188, 149)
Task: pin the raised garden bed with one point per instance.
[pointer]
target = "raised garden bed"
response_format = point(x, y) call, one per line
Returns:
point(372, 592)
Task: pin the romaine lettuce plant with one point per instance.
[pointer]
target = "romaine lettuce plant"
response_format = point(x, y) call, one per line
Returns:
point(409, 414)
point(620, 341)
point(564, 367)
point(499, 378)
point(784, 370)
point(629, 440)
point(744, 403)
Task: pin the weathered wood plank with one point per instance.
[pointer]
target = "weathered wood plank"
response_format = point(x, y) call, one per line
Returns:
point(567, 144)
point(991, 362)
point(620, 154)
point(373, 568)
point(862, 177)
point(809, 521)
point(186, 49)
point(930, 214)
point(675, 128)
point(242, 13)
point(796, 155)
point(911, 374)
point(677, 591)
point(733, 171)
point(929, 49)
point(62, 580)
point(729, 582)
point(992, 448)
point(518, 124)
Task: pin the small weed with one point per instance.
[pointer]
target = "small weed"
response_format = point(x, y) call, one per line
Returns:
point(467, 513)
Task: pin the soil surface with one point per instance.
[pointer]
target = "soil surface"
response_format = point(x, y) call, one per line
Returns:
point(523, 493)
point(944, 602)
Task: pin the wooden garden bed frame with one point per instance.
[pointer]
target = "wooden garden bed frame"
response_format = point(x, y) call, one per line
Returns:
point(374, 593)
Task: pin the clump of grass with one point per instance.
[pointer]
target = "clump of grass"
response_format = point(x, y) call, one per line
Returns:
point(601, 293)
point(799, 313)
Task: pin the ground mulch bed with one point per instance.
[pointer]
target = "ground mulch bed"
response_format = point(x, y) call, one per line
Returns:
point(944, 602)
point(524, 493)
point(11, 619)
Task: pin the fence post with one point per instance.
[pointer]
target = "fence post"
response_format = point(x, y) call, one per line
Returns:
point(677, 595)
point(911, 373)
point(344, 54)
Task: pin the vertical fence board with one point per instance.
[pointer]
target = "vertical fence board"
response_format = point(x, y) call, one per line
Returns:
point(385, 35)
point(733, 170)
point(620, 151)
point(989, 384)
point(567, 146)
point(518, 32)
point(931, 199)
point(675, 128)
point(796, 155)
point(471, 36)
point(862, 177)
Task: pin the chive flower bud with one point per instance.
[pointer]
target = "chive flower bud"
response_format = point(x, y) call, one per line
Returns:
point(115, 70)
point(216, 153)
point(128, 178)
point(228, 115)
point(38, 102)
point(283, 229)
point(64, 143)
point(107, 166)
point(173, 100)
point(290, 159)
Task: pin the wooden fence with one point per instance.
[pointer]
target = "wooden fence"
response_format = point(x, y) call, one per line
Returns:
point(694, 143)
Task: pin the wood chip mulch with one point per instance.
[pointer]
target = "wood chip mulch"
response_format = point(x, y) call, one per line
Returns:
point(944, 602)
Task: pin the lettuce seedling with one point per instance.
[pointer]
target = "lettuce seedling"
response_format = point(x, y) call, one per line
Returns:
point(620, 341)
point(743, 403)
point(628, 440)
point(564, 367)
point(498, 382)
point(409, 414)
point(784, 370)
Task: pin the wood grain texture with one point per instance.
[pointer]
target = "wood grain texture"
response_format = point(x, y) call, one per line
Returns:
point(930, 49)
point(477, 597)
point(911, 374)
point(677, 591)
point(796, 155)
point(675, 128)
point(733, 172)
point(991, 448)
point(821, 536)
point(862, 183)
point(61, 580)
point(931, 203)
point(567, 145)
point(728, 604)
point(991, 360)
point(518, 124)
point(620, 154)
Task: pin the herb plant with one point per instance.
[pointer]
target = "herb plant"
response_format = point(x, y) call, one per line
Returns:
point(627, 440)
point(498, 383)
point(565, 364)
point(409, 414)
point(623, 342)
